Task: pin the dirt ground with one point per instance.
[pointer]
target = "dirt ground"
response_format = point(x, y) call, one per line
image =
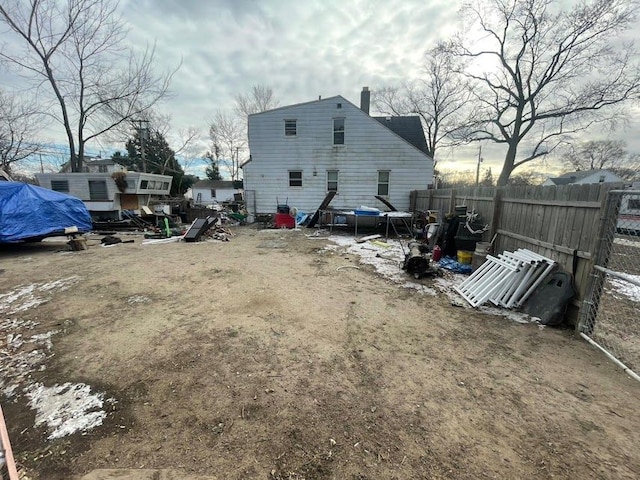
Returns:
point(259, 359)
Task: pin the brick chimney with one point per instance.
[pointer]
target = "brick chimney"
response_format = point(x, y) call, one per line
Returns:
point(365, 100)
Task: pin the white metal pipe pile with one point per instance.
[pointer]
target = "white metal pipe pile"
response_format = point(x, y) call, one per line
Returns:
point(506, 280)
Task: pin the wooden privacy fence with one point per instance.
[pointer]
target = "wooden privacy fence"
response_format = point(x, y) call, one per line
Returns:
point(563, 223)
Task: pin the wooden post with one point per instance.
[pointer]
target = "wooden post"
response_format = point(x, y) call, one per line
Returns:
point(497, 211)
point(452, 201)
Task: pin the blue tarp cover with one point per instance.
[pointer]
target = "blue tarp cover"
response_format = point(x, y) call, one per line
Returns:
point(28, 212)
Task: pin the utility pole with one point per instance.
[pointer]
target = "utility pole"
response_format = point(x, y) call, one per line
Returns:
point(142, 127)
point(237, 167)
point(478, 166)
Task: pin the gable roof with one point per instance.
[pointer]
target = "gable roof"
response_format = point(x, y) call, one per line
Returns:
point(573, 177)
point(214, 184)
point(409, 128)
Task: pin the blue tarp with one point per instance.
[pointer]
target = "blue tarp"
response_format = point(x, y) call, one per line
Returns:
point(30, 212)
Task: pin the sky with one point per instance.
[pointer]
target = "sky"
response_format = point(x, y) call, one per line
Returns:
point(302, 50)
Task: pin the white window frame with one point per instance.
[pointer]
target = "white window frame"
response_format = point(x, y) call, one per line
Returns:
point(290, 132)
point(337, 130)
point(336, 181)
point(293, 179)
point(382, 183)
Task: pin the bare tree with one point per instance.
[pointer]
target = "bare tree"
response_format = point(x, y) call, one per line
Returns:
point(597, 155)
point(228, 137)
point(260, 99)
point(76, 48)
point(19, 126)
point(440, 99)
point(540, 74)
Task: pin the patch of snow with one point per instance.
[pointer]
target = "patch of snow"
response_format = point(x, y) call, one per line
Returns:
point(25, 297)
point(25, 354)
point(67, 408)
point(627, 242)
point(629, 290)
point(138, 299)
point(387, 258)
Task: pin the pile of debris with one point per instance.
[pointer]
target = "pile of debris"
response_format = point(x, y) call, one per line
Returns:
point(207, 228)
point(506, 280)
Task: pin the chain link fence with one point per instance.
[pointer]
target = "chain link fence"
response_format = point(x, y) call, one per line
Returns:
point(610, 317)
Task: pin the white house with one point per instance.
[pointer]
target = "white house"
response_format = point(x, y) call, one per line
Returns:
point(107, 194)
point(95, 165)
point(584, 177)
point(301, 152)
point(206, 192)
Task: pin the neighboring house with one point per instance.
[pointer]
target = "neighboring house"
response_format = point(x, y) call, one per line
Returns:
point(584, 177)
point(301, 152)
point(104, 199)
point(96, 165)
point(206, 192)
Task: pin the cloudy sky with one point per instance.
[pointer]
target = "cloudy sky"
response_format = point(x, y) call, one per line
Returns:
point(301, 49)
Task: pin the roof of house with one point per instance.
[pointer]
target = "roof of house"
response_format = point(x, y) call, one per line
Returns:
point(213, 184)
point(572, 177)
point(409, 128)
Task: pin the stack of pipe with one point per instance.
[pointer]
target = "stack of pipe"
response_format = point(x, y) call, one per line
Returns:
point(506, 280)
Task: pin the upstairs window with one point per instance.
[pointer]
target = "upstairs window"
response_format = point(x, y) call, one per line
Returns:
point(338, 131)
point(332, 180)
point(383, 182)
point(60, 185)
point(290, 128)
point(102, 169)
point(295, 178)
point(213, 193)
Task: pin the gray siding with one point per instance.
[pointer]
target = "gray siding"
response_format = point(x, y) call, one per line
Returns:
point(369, 147)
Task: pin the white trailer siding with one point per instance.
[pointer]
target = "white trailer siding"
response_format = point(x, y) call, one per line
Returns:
point(369, 147)
point(143, 185)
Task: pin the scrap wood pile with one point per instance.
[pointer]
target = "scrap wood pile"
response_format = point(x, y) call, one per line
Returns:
point(207, 228)
point(218, 232)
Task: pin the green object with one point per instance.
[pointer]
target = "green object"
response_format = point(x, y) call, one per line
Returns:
point(238, 216)
point(166, 227)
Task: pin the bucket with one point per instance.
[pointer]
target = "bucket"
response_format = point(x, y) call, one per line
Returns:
point(480, 254)
point(464, 256)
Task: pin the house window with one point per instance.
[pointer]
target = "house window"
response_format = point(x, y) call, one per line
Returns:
point(144, 184)
point(165, 185)
point(290, 128)
point(60, 185)
point(602, 178)
point(634, 203)
point(338, 131)
point(295, 178)
point(213, 193)
point(98, 190)
point(332, 180)
point(383, 182)
point(102, 169)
